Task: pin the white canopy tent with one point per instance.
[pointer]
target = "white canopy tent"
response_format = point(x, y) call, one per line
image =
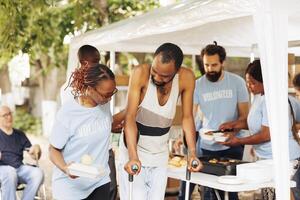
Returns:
point(190, 24)
point(240, 26)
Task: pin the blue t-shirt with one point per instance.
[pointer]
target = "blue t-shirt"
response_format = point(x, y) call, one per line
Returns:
point(218, 102)
point(294, 147)
point(12, 147)
point(78, 131)
point(258, 117)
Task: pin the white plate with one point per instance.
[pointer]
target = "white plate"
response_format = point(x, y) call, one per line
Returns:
point(232, 180)
point(220, 138)
point(81, 170)
point(206, 137)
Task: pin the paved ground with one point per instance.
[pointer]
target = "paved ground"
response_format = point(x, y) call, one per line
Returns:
point(46, 165)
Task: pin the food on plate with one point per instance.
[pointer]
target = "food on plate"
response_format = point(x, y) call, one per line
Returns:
point(183, 163)
point(176, 158)
point(177, 161)
point(86, 159)
point(174, 163)
point(223, 162)
point(213, 161)
point(209, 133)
point(219, 134)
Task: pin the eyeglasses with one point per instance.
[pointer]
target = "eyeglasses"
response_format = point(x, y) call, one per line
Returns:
point(6, 115)
point(107, 96)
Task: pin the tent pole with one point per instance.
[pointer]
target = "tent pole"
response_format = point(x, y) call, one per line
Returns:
point(112, 62)
point(194, 62)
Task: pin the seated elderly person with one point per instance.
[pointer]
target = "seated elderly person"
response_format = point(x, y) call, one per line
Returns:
point(12, 170)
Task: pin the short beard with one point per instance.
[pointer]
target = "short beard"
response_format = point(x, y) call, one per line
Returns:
point(162, 84)
point(213, 76)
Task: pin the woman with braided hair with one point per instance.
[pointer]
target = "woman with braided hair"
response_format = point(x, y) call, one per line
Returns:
point(82, 127)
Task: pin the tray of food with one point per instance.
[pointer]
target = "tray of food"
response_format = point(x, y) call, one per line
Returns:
point(219, 165)
point(177, 162)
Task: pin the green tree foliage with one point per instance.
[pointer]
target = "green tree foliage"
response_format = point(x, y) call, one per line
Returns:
point(27, 122)
point(38, 27)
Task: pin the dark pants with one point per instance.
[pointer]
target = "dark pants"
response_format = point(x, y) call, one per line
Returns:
point(101, 192)
point(182, 190)
point(113, 190)
point(209, 194)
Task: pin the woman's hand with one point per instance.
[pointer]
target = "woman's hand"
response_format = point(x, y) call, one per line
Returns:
point(67, 172)
point(178, 142)
point(231, 141)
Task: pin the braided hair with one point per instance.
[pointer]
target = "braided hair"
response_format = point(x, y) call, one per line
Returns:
point(84, 77)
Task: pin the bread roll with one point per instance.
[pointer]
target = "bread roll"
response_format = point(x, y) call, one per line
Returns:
point(86, 159)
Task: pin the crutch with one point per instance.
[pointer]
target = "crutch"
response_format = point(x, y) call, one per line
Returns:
point(188, 173)
point(188, 178)
point(134, 168)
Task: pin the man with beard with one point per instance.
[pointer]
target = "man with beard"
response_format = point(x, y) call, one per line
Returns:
point(152, 98)
point(221, 96)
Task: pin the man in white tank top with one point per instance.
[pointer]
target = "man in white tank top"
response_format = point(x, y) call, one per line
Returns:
point(152, 97)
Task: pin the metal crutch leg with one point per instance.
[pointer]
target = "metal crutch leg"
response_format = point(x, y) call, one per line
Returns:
point(134, 168)
point(188, 178)
point(188, 173)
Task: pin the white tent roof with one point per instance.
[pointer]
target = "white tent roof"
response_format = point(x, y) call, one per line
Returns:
point(190, 24)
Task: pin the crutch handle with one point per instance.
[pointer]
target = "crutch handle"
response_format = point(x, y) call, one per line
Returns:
point(195, 164)
point(134, 168)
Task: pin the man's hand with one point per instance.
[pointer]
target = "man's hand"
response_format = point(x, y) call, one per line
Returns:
point(194, 168)
point(130, 163)
point(35, 152)
point(227, 125)
point(231, 141)
point(178, 142)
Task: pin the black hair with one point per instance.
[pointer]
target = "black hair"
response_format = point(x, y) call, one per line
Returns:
point(254, 70)
point(213, 49)
point(88, 53)
point(169, 52)
point(84, 77)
